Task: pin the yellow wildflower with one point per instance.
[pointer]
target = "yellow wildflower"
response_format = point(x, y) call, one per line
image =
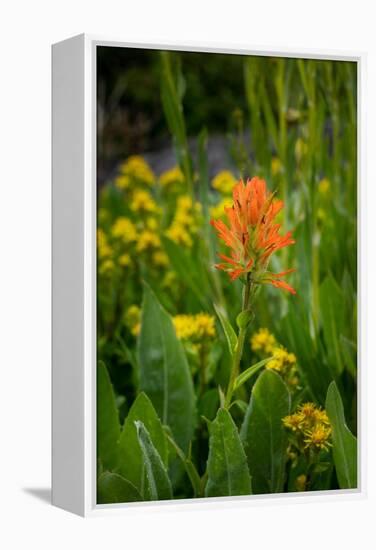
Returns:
point(324, 186)
point(142, 201)
point(224, 182)
point(103, 215)
point(171, 177)
point(132, 319)
point(169, 280)
point(218, 210)
point(124, 229)
point(136, 167)
point(308, 410)
point(263, 341)
point(179, 235)
point(282, 360)
point(125, 260)
point(122, 182)
point(194, 327)
point(318, 437)
point(147, 240)
point(152, 223)
point(106, 267)
point(160, 258)
point(293, 421)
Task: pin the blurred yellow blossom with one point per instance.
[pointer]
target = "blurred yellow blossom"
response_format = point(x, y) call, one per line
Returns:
point(160, 259)
point(147, 240)
point(276, 166)
point(104, 249)
point(123, 181)
point(171, 177)
point(124, 229)
point(282, 360)
point(184, 223)
point(194, 327)
point(125, 260)
point(106, 267)
point(136, 167)
point(179, 235)
point(324, 186)
point(142, 201)
point(152, 223)
point(263, 341)
point(223, 182)
point(132, 319)
point(218, 210)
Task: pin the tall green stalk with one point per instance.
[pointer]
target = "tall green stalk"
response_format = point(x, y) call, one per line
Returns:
point(240, 345)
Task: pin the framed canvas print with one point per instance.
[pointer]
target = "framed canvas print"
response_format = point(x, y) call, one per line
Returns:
point(205, 275)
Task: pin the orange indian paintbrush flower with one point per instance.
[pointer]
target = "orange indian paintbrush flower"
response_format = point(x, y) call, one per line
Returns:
point(252, 234)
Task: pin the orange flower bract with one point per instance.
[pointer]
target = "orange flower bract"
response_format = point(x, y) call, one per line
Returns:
point(252, 234)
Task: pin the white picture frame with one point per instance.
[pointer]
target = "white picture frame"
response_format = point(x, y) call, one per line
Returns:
point(74, 278)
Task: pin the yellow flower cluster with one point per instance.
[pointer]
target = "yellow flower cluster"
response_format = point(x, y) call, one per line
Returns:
point(135, 167)
point(148, 240)
point(263, 341)
point(196, 328)
point(132, 319)
point(172, 178)
point(282, 360)
point(184, 223)
point(223, 182)
point(265, 344)
point(310, 427)
point(143, 202)
point(124, 229)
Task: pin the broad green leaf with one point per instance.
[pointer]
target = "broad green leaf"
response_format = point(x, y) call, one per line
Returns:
point(245, 375)
point(164, 372)
point(263, 435)
point(332, 309)
point(231, 337)
point(131, 463)
point(113, 488)
point(108, 426)
point(227, 468)
point(344, 443)
point(157, 482)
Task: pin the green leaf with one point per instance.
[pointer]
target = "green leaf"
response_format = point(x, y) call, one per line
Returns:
point(108, 426)
point(344, 443)
point(245, 375)
point(263, 435)
point(227, 468)
point(244, 318)
point(189, 467)
point(113, 488)
point(332, 306)
point(232, 339)
point(158, 485)
point(131, 463)
point(164, 372)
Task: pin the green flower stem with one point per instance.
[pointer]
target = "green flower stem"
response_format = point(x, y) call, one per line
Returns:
point(240, 345)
